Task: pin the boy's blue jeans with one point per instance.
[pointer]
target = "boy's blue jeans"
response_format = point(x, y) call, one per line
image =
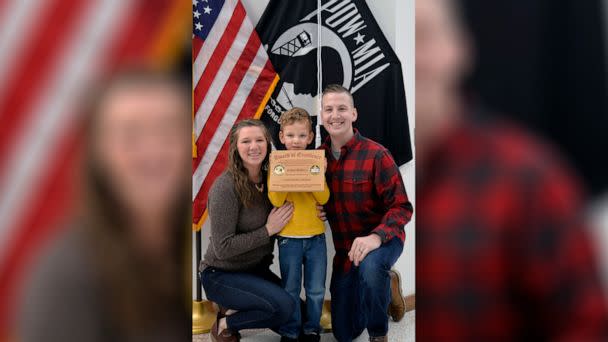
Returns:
point(310, 254)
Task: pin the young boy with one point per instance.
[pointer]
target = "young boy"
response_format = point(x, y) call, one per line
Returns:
point(367, 212)
point(302, 241)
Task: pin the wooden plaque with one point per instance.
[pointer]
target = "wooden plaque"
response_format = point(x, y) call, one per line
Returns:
point(297, 171)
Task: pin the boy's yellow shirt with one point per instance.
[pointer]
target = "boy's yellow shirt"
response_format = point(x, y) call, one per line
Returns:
point(304, 221)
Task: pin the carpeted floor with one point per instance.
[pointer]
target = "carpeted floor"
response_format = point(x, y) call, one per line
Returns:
point(403, 331)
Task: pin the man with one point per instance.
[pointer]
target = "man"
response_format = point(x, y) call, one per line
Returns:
point(367, 213)
point(503, 253)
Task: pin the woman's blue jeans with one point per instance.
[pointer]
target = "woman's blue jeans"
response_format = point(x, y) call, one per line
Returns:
point(257, 296)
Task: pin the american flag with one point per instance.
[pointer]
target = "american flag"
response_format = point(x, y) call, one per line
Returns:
point(232, 80)
point(49, 51)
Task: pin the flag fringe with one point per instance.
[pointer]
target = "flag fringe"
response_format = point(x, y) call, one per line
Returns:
point(258, 113)
point(165, 48)
point(197, 226)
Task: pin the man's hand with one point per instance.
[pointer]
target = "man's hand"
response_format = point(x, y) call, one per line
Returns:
point(362, 246)
point(321, 212)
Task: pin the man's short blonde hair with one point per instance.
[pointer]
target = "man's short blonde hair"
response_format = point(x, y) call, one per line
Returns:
point(338, 89)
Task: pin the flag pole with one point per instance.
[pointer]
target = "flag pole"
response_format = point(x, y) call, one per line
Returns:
point(319, 78)
point(203, 312)
point(199, 296)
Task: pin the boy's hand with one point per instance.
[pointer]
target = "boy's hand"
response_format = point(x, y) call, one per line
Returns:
point(325, 163)
point(362, 246)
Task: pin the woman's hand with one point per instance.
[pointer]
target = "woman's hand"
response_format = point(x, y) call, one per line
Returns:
point(278, 218)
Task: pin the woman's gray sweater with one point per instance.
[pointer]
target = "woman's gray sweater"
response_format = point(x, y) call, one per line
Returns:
point(239, 240)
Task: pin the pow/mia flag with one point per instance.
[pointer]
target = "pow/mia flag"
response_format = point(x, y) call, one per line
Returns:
point(354, 53)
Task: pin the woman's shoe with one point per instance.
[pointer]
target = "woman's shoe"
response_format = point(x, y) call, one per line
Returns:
point(225, 336)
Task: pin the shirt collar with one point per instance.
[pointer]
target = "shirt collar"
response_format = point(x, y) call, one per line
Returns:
point(354, 140)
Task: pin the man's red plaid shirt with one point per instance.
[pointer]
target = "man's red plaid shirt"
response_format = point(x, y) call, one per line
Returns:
point(367, 196)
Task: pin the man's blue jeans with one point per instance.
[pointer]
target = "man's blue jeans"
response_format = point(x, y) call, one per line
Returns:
point(360, 297)
point(311, 255)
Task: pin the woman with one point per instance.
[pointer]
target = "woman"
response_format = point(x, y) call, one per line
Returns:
point(119, 273)
point(235, 270)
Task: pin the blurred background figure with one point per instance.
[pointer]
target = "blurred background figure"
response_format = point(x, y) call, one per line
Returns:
point(42, 77)
point(118, 273)
point(504, 252)
point(545, 64)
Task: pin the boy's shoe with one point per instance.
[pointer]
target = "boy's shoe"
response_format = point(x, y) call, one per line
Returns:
point(288, 339)
point(378, 339)
point(396, 307)
point(310, 338)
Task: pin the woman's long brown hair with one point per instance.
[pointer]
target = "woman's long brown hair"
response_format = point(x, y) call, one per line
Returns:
point(243, 186)
point(139, 292)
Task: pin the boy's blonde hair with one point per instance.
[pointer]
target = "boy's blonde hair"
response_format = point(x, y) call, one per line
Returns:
point(295, 114)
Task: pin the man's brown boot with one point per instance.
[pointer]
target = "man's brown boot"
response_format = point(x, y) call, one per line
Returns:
point(378, 339)
point(396, 307)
